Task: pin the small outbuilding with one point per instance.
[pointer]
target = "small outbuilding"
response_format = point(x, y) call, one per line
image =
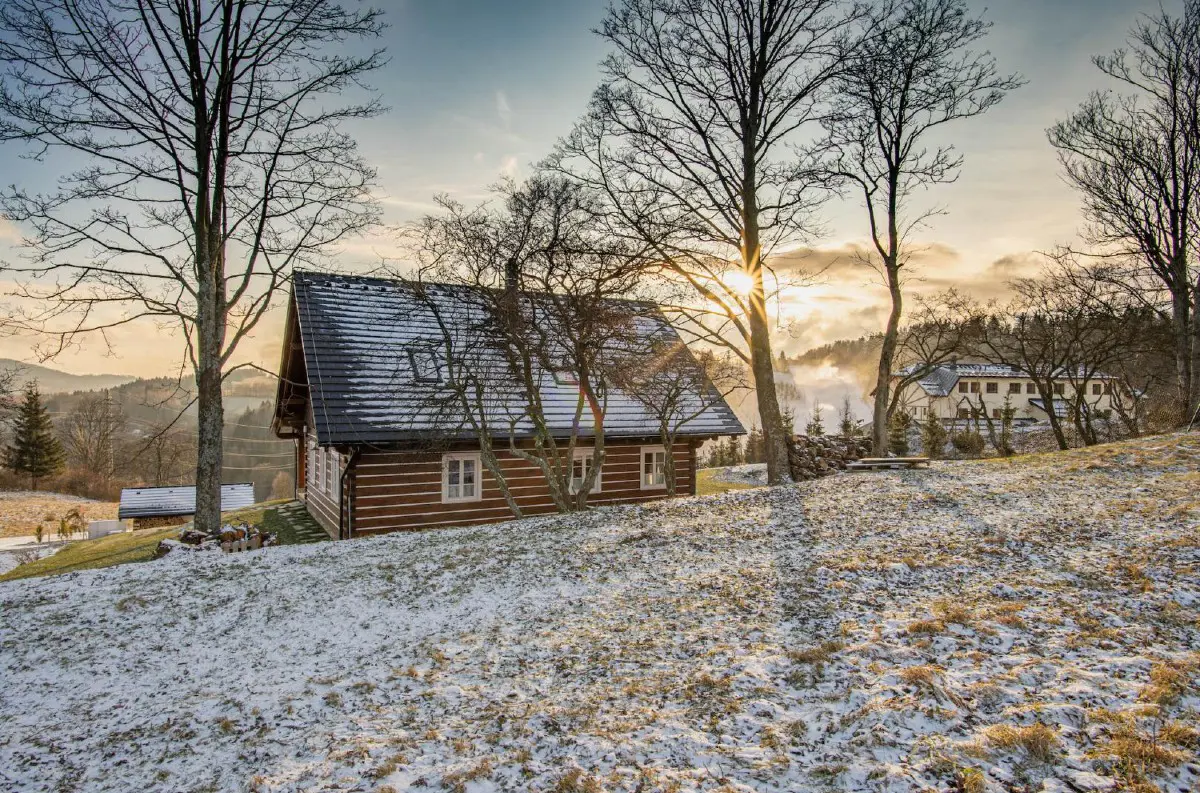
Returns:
point(149, 507)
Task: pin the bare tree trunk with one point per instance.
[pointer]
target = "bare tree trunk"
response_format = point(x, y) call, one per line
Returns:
point(779, 470)
point(210, 341)
point(1194, 367)
point(1048, 399)
point(887, 355)
point(1183, 325)
point(668, 441)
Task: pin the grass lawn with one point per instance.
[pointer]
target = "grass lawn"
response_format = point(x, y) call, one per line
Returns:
point(706, 485)
point(286, 518)
point(135, 546)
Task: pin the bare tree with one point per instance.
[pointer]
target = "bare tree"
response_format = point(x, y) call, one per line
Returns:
point(913, 71)
point(934, 336)
point(1060, 329)
point(677, 387)
point(212, 161)
point(542, 301)
point(91, 433)
point(696, 136)
point(162, 458)
point(1134, 158)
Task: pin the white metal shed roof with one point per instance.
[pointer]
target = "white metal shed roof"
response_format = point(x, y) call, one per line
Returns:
point(169, 502)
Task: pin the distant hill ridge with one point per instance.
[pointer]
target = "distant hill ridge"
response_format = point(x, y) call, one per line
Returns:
point(53, 381)
point(244, 382)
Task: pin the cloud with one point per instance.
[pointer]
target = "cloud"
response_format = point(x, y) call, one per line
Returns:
point(510, 167)
point(852, 261)
point(9, 233)
point(503, 109)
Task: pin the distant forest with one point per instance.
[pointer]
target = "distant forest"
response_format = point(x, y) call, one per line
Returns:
point(144, 433)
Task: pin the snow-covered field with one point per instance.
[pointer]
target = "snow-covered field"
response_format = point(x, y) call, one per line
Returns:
point(978, 626)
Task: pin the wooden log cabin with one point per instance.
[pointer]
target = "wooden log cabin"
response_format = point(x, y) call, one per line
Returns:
point(363, 392)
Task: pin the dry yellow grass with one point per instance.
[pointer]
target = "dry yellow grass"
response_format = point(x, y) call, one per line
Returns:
point(21, 513)
point(1037, 740)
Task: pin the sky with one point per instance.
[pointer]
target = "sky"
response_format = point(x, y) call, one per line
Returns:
point(479, 89)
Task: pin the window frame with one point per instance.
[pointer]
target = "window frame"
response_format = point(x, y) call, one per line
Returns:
point(1097, 389)
point(975, 387)
point(651, 450)
point(993, 388)
point(434, 360)
point(964, 387)
point(459, 457)
point(1031, 388)
point(1014, 388)
point(585, 455)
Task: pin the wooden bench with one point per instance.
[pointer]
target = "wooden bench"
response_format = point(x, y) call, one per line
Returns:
point(888, 463)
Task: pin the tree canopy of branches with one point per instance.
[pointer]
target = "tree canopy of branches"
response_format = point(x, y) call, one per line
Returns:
point(91, 433)
point(1134, 157)
point(914, 70)
point(209, 159)
point(676, 387)
point(696, 137)
point(1060, 328)
point(546, 283)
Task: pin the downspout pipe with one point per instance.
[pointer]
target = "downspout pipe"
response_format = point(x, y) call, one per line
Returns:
point(346, 508)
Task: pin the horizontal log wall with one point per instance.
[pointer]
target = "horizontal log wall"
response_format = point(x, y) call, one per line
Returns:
point(403, 490)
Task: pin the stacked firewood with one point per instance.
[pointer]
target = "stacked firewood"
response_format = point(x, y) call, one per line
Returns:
point(812, 457)
point(231, 539)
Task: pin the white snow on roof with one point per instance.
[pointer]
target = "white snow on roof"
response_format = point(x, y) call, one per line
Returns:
point(358, 333)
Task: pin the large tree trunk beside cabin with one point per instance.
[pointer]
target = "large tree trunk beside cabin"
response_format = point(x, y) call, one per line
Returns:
point(762, 364)
point(210, 340)
point(881, 413)
point(1194, 367)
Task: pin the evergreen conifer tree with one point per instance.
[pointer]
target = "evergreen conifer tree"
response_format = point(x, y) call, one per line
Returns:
point(35, 449)
point(898, 433)
point(934, 436)
point(816, 425)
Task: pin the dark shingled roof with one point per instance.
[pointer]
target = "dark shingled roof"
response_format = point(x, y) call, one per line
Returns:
point(359, 335)
point(174, 502)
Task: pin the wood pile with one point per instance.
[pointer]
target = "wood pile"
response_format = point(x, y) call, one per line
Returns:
point(232, 539)
point(812, 457)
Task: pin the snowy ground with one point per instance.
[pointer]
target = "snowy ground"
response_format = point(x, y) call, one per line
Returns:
point(747, 474)
point(978, 626)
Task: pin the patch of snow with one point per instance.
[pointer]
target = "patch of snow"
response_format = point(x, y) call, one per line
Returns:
point(760, 640)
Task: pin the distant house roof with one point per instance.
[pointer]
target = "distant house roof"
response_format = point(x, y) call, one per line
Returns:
point(366, 365)
point(941, 380)
point(173, 502)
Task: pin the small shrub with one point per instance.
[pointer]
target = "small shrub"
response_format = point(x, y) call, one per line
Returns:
point(968, 443)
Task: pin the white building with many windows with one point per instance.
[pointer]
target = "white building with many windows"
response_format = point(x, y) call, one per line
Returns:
point(953, 391)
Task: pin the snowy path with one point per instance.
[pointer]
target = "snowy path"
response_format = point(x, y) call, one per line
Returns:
point(854, 633)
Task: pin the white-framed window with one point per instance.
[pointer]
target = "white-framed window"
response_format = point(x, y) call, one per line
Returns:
point(461, 477)
point(318, 468)
point(331, 472)
point(654, 467)
point(580, 466)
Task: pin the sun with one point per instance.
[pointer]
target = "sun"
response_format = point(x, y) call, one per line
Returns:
point(738, 282)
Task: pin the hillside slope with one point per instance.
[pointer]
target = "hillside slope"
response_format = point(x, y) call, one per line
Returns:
point(52, 381)
point(992, 625)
